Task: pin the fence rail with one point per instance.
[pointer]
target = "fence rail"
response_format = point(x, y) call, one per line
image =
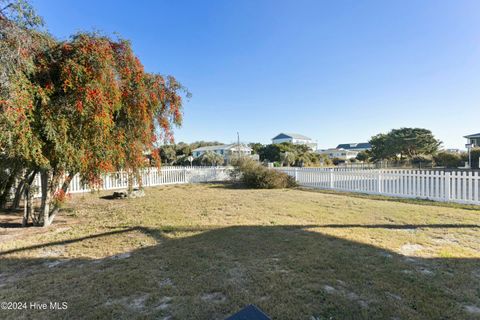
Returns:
point(454, 186)
point(151, 177)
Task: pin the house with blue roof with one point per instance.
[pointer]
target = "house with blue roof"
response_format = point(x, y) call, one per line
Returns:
point(473, 139)
point(294, 138)
point(346, 151)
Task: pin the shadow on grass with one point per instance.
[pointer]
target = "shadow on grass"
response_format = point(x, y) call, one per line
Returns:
point(288, 271)
point(230, 185)
point(242, 186)
point(110, 197)
point(12, 225)
point(402, 226)
point(69, 241)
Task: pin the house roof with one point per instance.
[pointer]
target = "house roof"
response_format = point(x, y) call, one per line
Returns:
point(210, 148)
point(476, 135)
point(291, 135)
point(221, 147)
point(361, 145)
point(334, 150)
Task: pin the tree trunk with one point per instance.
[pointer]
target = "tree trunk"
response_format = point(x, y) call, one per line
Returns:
point(48, 208)
point(130, 182)
point(55, 207)
point(28, 209)
point(21, 188)
point(8, 189)
point(19, 192)
point(25, 210)
point(45, 177)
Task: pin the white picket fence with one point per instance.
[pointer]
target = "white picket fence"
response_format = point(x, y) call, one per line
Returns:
point(151, 177)
point(454, 186)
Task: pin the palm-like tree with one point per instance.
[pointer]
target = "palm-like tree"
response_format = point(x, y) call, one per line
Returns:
point(211, 158)
point(288, 158)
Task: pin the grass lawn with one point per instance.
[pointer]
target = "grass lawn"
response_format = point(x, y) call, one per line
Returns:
point(205, 251)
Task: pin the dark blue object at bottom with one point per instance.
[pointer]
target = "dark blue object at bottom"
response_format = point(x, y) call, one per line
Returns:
point(249, 313)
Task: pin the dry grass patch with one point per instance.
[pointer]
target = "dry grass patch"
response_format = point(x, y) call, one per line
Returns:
point(205, 251)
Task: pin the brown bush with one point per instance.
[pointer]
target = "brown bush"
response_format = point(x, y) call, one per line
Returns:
point(254, 175)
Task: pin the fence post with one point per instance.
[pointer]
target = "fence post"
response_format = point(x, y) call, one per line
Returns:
point(185, 175)
point(331, 178)
point(446, 186)
point(379, 182)
point(295, 174)
point(146, 173)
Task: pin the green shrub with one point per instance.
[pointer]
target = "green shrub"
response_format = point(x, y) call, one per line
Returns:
point(448, 159)
point(324, 160)
point(362, 156)
point(422, 160)
point(337, 161)
point(475, 154)
point(254, 175)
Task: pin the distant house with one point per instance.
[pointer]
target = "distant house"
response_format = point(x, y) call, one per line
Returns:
point(473, 139)
point(346, 151)
point(339, 153)
point(294, 138)
point(454, 150)
point(227, 151)
point(362, 146)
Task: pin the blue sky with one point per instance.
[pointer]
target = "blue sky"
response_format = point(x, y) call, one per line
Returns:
point(337, 71)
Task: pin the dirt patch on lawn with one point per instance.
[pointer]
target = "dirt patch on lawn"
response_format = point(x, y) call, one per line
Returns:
point(214, 297)
point(11, 226)
point(134, 303)
point(472, 310)
point(409, 249)
point(344, 292)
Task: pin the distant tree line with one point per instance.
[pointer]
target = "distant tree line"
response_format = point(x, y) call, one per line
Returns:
point(403, 146)
point(283, 154)
point(177, 154)
point(288, 154)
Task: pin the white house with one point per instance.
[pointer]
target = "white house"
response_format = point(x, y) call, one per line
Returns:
point(227, 151)
point(294, 138)
point(473, 139)
point(341, 154)
point(362, 146)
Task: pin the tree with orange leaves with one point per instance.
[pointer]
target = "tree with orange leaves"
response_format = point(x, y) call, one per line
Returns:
point(91, 109)
point(101, 113)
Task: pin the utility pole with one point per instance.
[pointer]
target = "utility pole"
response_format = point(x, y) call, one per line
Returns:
point(238, 143)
